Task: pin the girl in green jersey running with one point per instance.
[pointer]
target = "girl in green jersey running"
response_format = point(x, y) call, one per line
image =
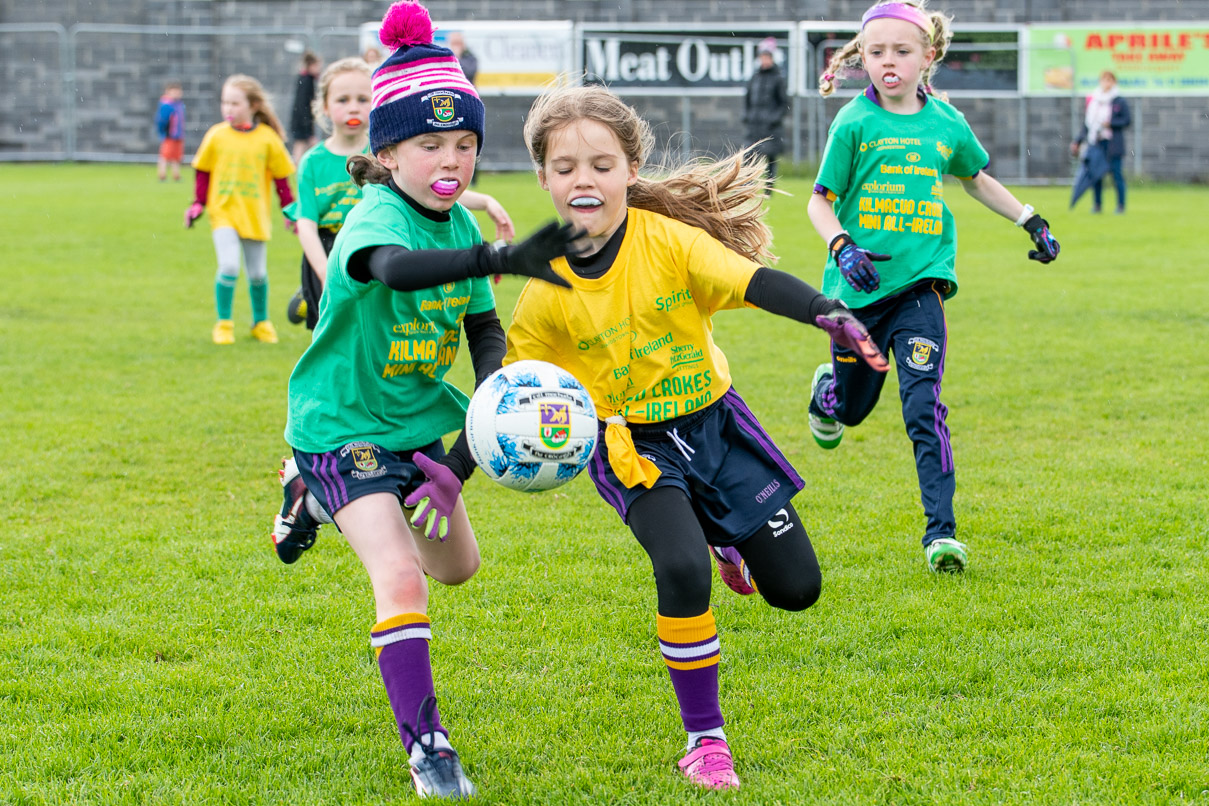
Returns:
point(880, 185)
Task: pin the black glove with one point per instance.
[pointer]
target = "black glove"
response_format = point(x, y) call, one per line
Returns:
point(1047, 248)
point(532, 256)
point(855, 263)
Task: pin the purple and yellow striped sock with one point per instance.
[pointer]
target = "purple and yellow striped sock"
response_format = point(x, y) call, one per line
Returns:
point(401, 644)
point(691, 651)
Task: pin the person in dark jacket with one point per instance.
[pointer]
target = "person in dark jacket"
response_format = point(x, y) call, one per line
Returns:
point(302, 116)
point(1104, 123)
point(765, 105)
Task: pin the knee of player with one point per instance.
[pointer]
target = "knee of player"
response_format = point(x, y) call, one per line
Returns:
point(802, 595)
point(460, 573)
point(401, 584)
point(685, 573)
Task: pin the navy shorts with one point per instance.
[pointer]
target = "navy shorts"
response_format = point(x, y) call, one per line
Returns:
point(723, 460)
point(359, 469)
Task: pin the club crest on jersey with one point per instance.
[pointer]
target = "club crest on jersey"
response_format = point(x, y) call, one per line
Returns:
point(555, 422)
point(364, 459)
point(921, 353)
point(442, 107)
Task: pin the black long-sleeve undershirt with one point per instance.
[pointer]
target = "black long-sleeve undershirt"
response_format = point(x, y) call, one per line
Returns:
point(785, 295)
point(485, 339)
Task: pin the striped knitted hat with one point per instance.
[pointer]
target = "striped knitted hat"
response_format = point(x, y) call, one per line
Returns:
point(420, 87)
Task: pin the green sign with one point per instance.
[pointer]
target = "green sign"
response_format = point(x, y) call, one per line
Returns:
point(1148, 58)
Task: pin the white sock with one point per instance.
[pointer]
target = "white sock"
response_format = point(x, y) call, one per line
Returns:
point(438, 740)
point(695, 736)
point(315, 511)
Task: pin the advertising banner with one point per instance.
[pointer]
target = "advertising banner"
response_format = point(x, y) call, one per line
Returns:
point(513, 57)
point(670, 60)
point(1147, 58)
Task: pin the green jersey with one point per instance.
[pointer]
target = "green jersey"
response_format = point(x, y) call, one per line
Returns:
point(326, 193)
point(885, 172)
point(376, 365)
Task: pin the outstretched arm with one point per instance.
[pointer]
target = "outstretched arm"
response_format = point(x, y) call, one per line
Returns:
point(435, 499)
point(781, 293)
point(994, 196)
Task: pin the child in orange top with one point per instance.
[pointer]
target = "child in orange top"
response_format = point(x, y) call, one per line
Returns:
point(237, 161)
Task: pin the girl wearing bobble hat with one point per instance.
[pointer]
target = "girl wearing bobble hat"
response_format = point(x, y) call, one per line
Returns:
point(880, 185)
point(406, 274)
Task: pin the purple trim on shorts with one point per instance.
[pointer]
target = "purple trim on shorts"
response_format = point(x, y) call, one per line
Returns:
point(940, 410)
point(326, 468)
point(611, 495)
point(753, 427)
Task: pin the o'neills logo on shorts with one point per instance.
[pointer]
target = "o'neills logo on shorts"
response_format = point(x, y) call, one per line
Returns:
point(762, 496)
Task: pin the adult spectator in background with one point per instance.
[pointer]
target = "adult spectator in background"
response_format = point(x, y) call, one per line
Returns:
point(302, 118)
point(1104, 123)
point(765, 105)
point(372, 57)
point(468, 61)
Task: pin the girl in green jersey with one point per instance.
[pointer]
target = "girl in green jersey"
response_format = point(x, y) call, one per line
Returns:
point(881, 185)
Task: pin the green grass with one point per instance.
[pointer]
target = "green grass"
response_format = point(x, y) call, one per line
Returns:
point(153, 650)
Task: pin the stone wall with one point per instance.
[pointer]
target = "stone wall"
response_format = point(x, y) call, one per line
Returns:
point(118, 75)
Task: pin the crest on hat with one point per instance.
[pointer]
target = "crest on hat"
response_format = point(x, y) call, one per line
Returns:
point(442, 108)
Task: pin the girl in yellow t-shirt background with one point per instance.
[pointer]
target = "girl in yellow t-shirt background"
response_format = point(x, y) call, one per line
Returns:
point(237, 164)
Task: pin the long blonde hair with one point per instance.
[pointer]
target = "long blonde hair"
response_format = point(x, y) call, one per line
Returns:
point(724, 198)
point(849, 56)
point(353, 64)
point(259, 100)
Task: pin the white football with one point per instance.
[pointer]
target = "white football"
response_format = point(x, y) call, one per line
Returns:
point(531, 426)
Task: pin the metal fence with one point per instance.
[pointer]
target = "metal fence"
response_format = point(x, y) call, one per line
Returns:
point(90, 92)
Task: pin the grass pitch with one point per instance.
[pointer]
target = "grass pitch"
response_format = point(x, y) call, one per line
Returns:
point(153, 650)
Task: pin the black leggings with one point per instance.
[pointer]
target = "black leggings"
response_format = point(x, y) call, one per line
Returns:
point(780, 556)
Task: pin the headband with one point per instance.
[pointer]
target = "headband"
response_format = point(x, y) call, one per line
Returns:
point(900, 11)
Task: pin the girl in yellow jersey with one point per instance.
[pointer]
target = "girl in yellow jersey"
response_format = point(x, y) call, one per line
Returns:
point(237, 162)
point(682, 459)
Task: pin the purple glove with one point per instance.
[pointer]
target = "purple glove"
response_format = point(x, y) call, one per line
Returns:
point(434, 499)
point(193, 213)
point(848, 332)
point(855, 263)
point(1047, 248)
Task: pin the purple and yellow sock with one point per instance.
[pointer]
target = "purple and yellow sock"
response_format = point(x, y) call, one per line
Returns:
point(401, 644)
point(691, 651)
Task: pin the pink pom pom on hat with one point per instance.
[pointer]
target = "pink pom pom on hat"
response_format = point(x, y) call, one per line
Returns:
point(420, 87)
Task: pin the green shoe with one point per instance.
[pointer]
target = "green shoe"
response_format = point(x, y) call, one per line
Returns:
point(947, 555)
point(826, 431)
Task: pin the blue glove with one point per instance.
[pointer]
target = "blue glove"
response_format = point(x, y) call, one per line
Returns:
point(434, 499)
point(848, 332)
point(855, 263)
point(1047, 248)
